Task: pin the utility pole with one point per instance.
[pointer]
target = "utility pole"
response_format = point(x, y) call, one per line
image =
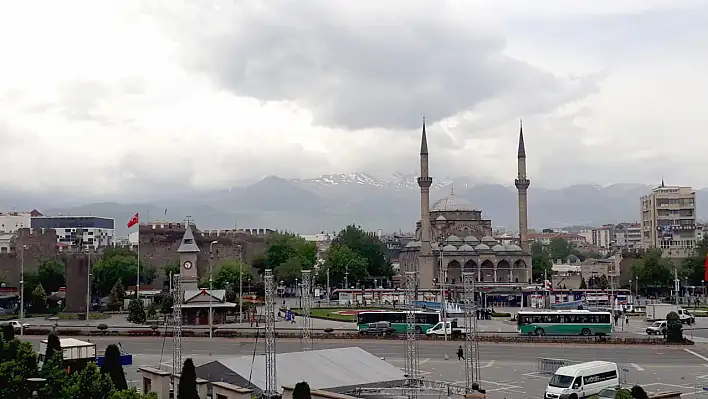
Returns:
point(327, 285)
point(211, 287)
point(88, 284)
point(443, 299)
point(677, 287)
point(22, 288)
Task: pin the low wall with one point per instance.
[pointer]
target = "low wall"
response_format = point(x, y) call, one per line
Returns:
point(288, 394)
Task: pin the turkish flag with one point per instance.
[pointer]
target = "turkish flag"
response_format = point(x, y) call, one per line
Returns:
point(133, 221)
point(705, 277)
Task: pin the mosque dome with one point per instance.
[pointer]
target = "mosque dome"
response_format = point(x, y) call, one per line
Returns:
point(452, 203)
point(514, 248)
point(489, 240)
point(449, 248)
point(453, 239)
point(440, 218)
point(482, 247)
point(466, 248)
point(498, 248)
point(573, 259)
point(472, 240)
point(413, 244)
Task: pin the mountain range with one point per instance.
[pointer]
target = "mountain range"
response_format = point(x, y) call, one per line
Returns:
point(389, 203)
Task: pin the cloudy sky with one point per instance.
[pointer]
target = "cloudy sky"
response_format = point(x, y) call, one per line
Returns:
point(119, 99)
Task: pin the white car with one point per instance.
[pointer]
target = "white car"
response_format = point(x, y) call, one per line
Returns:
point(16, 325)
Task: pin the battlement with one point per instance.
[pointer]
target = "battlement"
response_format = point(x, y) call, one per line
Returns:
point(236, 232)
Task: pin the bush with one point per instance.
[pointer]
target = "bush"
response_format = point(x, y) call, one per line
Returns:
point(302, 391)
point(674, 330)
point(639, 393)
point(136, 312)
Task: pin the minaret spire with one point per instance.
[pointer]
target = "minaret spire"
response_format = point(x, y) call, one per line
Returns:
point(522, 184)
point(426, 261)
point(522, 147)
point(424, 141)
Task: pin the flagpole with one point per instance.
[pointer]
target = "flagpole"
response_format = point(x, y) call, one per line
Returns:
point(137, 286)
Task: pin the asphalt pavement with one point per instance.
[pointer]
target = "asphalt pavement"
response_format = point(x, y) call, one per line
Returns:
point(507, 370)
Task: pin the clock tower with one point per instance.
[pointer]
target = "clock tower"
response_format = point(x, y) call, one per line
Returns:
point(188, 251)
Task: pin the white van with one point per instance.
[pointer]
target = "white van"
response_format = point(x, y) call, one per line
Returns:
point(582, 380)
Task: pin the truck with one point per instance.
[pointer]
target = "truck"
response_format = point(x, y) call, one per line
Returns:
point(659, 311)
point(450, 327)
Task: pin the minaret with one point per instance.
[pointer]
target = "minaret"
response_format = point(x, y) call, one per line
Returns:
point(522, 185)
point(426, 261)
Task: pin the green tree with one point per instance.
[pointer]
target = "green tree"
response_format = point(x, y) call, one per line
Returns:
point(368, 246)
point(653, 270)
point(639, 393)
point(117, 295)
point(133, 393)
point(623, 393)
point(90, 383)
point(339, 260)
point(39, 299)
point(59, 381)
point(53, 348)
point(540, 261)
point(229, 272)
point(693, 267)
point(289, 271)
point(166, 305)
point(112, 367)
point(188, 382)
point(8, 333)
point(136, 312)
point(171, 268)
point(20, 363)
point(559, 248)
point(111, 266)
point(51, 275)
point(302, 391)
point(674, 330)
point(284, 246)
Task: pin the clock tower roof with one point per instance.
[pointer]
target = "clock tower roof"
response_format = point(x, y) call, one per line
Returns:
point(188, 244)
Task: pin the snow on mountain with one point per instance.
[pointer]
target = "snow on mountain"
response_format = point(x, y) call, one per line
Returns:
point(396, 181)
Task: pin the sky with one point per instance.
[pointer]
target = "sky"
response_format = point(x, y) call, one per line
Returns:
point(123, 100)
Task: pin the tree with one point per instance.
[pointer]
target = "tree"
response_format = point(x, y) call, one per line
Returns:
point(284, 246)
point(136, 312)
point(112, 367)
point(90, 383)
point(53, 348)
point(133, 393)
point(583, 284)
point(693, 267)
point(117, 295)
point(302, 391)
point(639, 393)
point(674, 333)
point(230, 272)
point(652, 270)
point(51, 275)
point(115, 263)
point(19, 364)
point(368, 246)
point(540, 261)
point(166, 305)
point(623, 393)
point(560, 248)
point(8, 333)
point(39, 299)
point(188, 382)
point(59, 382)
point(289, 271)
point(339, 260)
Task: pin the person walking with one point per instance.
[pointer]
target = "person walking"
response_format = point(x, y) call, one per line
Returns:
point(460, 353)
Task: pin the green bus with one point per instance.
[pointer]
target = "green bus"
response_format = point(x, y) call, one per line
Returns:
point(423, 320)
point(564, 322)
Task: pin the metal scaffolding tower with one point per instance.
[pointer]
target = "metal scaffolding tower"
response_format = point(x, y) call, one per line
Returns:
point(471, 341)
point(412, 364)
point(271, 388)
point(177, 298)
point(305, 319)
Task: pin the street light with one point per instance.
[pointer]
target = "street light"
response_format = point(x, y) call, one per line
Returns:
point(211, 286)
point(88, 284)
point(22, 288)
point(240, 284)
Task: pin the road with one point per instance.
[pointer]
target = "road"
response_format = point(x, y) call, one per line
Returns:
point(508, 370)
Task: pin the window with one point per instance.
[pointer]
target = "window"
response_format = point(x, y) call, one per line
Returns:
point(220, 396)
point(147, 385)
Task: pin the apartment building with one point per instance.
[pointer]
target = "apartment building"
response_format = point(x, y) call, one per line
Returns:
point(669, 220)
point(602, 237)
point(628, 236)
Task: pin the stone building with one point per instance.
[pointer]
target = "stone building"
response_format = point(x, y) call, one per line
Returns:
point(452, 235)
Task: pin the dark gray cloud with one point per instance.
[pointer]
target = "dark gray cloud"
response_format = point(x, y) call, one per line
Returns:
point(361, 73)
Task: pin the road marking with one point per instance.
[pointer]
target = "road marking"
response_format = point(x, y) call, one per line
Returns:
point(636, 366)
point(698, 355)
point(426, 360)
point(490, 364)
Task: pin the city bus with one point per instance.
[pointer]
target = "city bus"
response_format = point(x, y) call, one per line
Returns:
point(423, 320)
point(564, 322)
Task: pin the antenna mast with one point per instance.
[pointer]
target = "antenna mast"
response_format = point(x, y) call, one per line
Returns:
point(306, 319)
point(177, 298)
point(271, 388)
point(471, 342)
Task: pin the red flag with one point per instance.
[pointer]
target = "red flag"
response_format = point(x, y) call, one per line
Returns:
point(133, 221)
point(705, 277)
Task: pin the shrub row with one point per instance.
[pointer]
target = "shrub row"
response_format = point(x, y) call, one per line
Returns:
point(495, 338)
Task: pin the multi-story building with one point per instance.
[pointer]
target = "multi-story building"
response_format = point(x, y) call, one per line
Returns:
point(10, 222)
point(94, 231)
point(602, 237)
point(669, 220)
point(545, 238)
point(628, 236)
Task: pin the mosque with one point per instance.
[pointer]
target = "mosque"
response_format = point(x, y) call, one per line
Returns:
point(453, 236)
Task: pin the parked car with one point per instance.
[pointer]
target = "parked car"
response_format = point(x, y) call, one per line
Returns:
point(16, 325)
point(657, 328)
point(381, 328)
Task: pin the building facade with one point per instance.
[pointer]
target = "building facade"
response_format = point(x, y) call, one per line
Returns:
point(90, 231)
point(669, 220)
point(600, 237)
point(628, 236)
point(10, 222)
point(452, 236)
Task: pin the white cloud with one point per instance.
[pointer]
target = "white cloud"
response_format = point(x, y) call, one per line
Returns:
point(103, 99)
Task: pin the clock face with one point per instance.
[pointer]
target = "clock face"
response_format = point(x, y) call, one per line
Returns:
point(187, 265)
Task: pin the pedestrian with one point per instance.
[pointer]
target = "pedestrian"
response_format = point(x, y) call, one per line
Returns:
point(460, 354)
point(626, 320)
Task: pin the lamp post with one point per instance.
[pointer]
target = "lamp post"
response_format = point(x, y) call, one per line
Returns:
point(443, 302)
point(211, 287)
point(88, 284)
point(636, 290)
point(240, 284)
point(22, 289)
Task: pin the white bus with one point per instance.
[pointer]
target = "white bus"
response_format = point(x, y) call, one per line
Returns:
point(582, 380)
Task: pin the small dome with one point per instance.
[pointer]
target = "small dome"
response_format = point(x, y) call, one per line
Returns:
point(482, 247)
point(449, 248)
point(452, 203)
point(466, 248)
point(498, 248)
point(489, 240)
point(514, 248)
point(413, 244)
point(573, 259)
point(440, 218)
point(453, 239)
point(472, 240)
